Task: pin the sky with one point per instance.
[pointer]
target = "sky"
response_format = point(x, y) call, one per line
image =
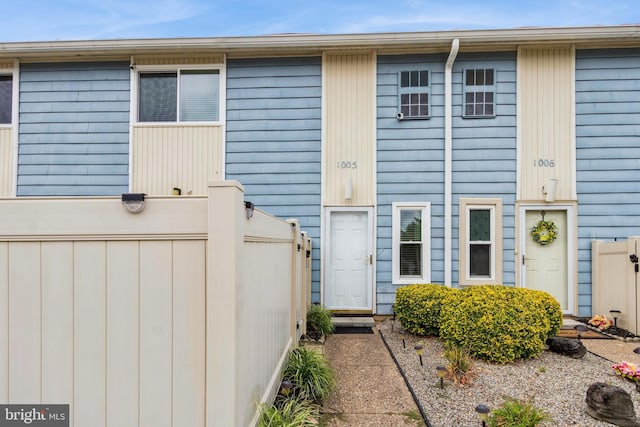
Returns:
point(47, 20)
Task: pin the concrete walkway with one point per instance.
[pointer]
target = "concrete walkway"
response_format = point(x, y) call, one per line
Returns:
point(370, 390)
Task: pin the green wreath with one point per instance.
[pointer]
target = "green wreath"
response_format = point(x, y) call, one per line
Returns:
point(544, 233)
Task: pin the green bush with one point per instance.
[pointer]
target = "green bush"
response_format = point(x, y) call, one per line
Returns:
point(418, 307)
point(515, 413)
point(289, 413)
point(496, 323)
point(310, 374)
point(319, 322)
point(551, 307)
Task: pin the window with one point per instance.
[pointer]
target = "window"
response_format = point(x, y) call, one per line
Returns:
point(180, 96)
point(410, 241)
point(6, 99)
point(414, 94)
point(480, 241)
point(479, 93)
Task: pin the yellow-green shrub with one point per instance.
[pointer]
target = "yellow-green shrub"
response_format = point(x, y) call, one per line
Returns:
point(418, 307)
point(552, 308)
point(496, 323)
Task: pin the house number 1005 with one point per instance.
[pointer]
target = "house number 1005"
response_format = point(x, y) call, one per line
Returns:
point(543, 163)
point(348, 164)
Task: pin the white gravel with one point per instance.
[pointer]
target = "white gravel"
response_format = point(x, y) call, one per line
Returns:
point(557, 384)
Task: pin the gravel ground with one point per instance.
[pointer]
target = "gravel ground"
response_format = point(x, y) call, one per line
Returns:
point(557, 384)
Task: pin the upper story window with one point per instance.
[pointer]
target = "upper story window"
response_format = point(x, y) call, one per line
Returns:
point(6, 99)
point(410, 241)
point(414, 94)
point(179, 96)
point(479, 92)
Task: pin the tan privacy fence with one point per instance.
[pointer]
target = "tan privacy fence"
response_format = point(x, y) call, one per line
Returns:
point(180, 315)
point(614, 273)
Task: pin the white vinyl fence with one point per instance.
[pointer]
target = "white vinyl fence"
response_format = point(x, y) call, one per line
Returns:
point(180, 315)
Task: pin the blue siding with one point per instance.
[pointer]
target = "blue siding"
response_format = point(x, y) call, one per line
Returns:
point(484, 152)
point(74, 129)
point(411, 158)
point(607, 153)
point(274, 139)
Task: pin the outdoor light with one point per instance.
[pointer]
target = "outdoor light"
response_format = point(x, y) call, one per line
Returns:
point(615, 314)
point(177, 191)
point(401, 332)
point(580, 329)
point(636, 350)
point(250, 208)
point(285, 388)
point(419, 348)
point(483, 413)
point(442, 371)
point(133, 202)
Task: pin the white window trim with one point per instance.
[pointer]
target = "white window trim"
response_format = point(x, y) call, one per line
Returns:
point(176, 68)
point(495, 207)
point(425, 207)
point(479, 88)
point(415, 89)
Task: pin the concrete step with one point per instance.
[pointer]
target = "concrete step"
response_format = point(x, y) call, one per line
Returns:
point(353, 322)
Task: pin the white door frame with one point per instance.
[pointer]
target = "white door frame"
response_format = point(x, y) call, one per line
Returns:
point(326, 244)
point(571, 248)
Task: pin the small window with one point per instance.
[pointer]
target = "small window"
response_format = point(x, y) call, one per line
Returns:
point(480, 241)
point(411, 248)
point(414, 94)
point(479, 93)
point(6, 99)
point(180, 96)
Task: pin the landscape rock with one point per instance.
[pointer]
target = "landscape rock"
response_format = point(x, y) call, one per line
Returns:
point(611, 404)
point(567, 347)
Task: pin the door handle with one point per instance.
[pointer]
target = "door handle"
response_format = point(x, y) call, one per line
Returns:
point(523, 260)
point(370, 259)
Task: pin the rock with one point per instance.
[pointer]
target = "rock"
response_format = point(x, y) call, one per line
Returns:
point(611, 404)
point(567, 347)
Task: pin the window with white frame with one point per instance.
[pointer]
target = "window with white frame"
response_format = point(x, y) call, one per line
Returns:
point(410, 241)
point(6, 98)
point(480, 241)
point(479, 93)
point(414, 91)
point(179, 96)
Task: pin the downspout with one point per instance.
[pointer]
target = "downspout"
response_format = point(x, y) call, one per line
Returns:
point(448, 143)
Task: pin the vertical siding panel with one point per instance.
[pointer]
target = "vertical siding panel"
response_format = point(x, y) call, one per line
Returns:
point(6, 162)
point(176, 156)
point(123, 355)
point(4, 322)
point(25, 324)
point(188, 333)
point(90, 334)
point(349, 102)
point(156, 340)
point(57, 322)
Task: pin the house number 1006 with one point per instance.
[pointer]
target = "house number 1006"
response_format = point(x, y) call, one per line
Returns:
point(543, 163)
point(348, 164)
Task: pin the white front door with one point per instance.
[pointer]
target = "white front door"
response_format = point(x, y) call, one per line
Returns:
point(348, 275)
point(548, 267)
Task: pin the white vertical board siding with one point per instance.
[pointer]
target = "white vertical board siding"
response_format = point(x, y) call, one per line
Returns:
point(349, 89)
point(546, 121)
point(123, 349)
point(6, 162)
point(25, 323)
point(185, 157)
point(4, 322)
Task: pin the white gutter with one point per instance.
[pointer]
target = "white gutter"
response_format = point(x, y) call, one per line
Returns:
point(448, 143)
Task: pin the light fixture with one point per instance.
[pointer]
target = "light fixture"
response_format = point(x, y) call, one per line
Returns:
point(285, 388)
point(177, 191)
point(550, 190)
point(419, 348)
point(401, 332)
point(250, 208)
point(348, 189)
point(133, 202)
point(580, 329)
point(615, 314)
point(483, 413)
point(442, 371)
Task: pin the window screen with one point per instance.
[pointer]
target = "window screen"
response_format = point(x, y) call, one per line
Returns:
point(410, 242)
point(158, 97)
point(6, 98)
point(479, 94)
point(414, 93)
point(480, 243)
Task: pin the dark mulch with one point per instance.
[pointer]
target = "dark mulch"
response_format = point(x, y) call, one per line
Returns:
point(353, 330)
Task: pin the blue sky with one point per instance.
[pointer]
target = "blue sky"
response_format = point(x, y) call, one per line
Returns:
point(44, 20)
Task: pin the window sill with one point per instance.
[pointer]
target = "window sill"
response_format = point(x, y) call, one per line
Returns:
point(413, 281)
point(176, 124)
point(477, 282)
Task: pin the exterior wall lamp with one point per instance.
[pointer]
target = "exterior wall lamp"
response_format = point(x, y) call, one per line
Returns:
point(550, 190)
point(133, 202)
point(250, 207)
